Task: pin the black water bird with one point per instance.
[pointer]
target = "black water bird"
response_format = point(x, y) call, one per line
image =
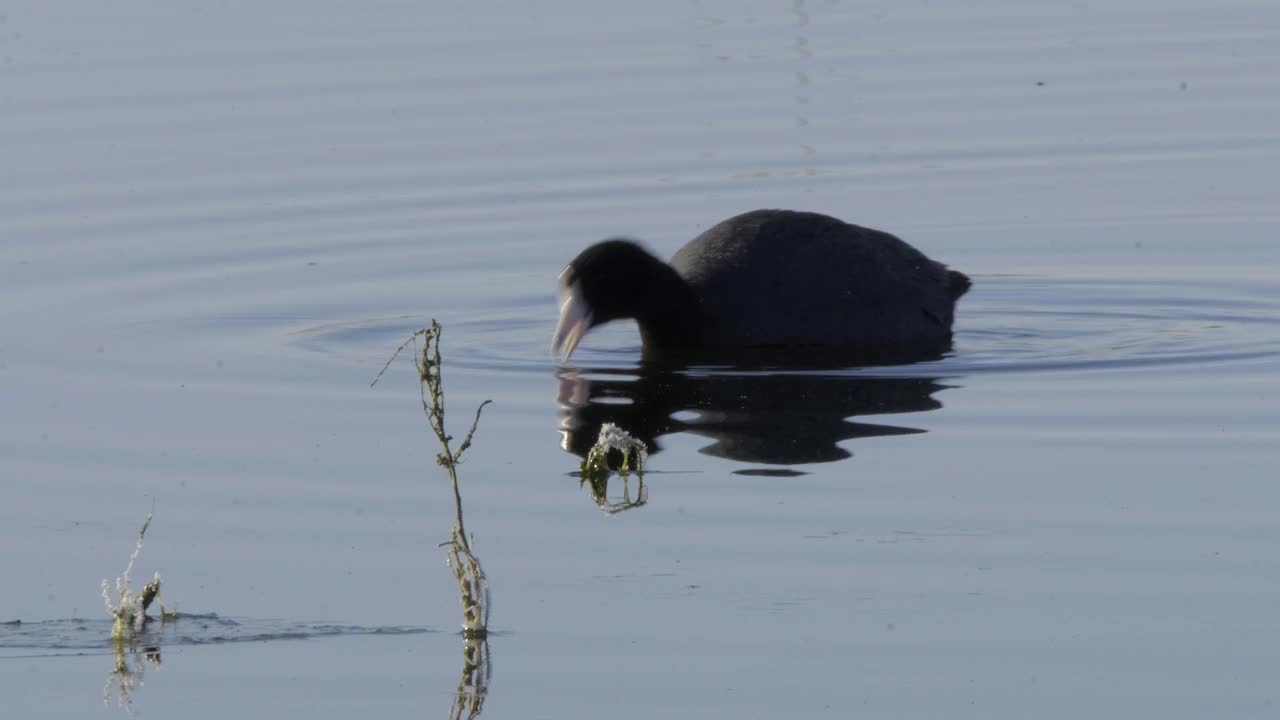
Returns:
point(768, 280)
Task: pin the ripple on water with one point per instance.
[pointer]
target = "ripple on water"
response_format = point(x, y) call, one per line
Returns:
point(80, 636)
point(1006, 324)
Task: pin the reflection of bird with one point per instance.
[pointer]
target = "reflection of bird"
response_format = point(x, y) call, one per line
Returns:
point(768, 279)
point(774, 418)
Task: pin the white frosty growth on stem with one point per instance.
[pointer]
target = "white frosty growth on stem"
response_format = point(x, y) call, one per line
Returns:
point(128, 607)
point(613, 437)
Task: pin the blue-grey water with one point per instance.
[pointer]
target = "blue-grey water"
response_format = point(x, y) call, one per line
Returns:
point(218, 220)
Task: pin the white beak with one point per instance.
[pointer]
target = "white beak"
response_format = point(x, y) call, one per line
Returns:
point(575, 319)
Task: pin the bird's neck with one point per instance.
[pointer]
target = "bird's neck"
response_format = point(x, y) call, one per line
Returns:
point(673, 316)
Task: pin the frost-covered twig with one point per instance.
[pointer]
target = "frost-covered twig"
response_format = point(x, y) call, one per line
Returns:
point(613, 437)
point(130, 609)
point(473, 585)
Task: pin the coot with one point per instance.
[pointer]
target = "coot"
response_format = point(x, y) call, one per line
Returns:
point(776, 279)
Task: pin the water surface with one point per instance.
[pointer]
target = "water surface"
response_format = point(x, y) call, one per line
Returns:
point(217, 223)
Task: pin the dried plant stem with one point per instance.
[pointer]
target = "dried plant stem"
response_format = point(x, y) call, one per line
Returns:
point(128, 608)
point(473, 585)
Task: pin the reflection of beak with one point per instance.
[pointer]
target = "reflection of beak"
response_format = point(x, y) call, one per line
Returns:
point(575, 318)
point(575, 391)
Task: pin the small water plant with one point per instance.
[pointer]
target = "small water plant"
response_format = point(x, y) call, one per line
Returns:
point(616, 445)
point(130, 608)
point(612, 438)
point(473, 585)
point(600, 494)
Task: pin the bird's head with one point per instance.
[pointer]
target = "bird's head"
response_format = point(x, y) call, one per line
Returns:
point(611, 280)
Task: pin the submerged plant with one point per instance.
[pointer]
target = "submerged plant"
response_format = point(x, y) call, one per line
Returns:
point(129, 608)
point(600, 493)
point(613, 438)
point(473, 585)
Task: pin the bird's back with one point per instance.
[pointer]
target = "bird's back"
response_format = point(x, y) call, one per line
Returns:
point(781, 277)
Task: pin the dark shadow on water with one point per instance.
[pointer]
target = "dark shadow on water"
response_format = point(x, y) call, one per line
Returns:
point(767, 415)
point(769, 472)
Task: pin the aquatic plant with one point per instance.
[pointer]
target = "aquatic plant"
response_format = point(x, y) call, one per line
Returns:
point(614, 438)
point(600, 493)
point(614, 443)
point(129, 608)
point(473, 585)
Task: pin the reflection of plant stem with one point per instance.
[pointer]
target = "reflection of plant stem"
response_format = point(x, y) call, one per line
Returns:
point(472, 583)
point(474, 683)
point(124, 678)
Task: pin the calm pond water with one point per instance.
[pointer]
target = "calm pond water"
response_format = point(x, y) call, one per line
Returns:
point(217, 221)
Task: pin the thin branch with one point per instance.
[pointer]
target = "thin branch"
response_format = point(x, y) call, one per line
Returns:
point(472, 583)
point(394, 355)
point(457, 457)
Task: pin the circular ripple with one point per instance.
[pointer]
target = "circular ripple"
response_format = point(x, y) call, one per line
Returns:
point(1006, 324)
